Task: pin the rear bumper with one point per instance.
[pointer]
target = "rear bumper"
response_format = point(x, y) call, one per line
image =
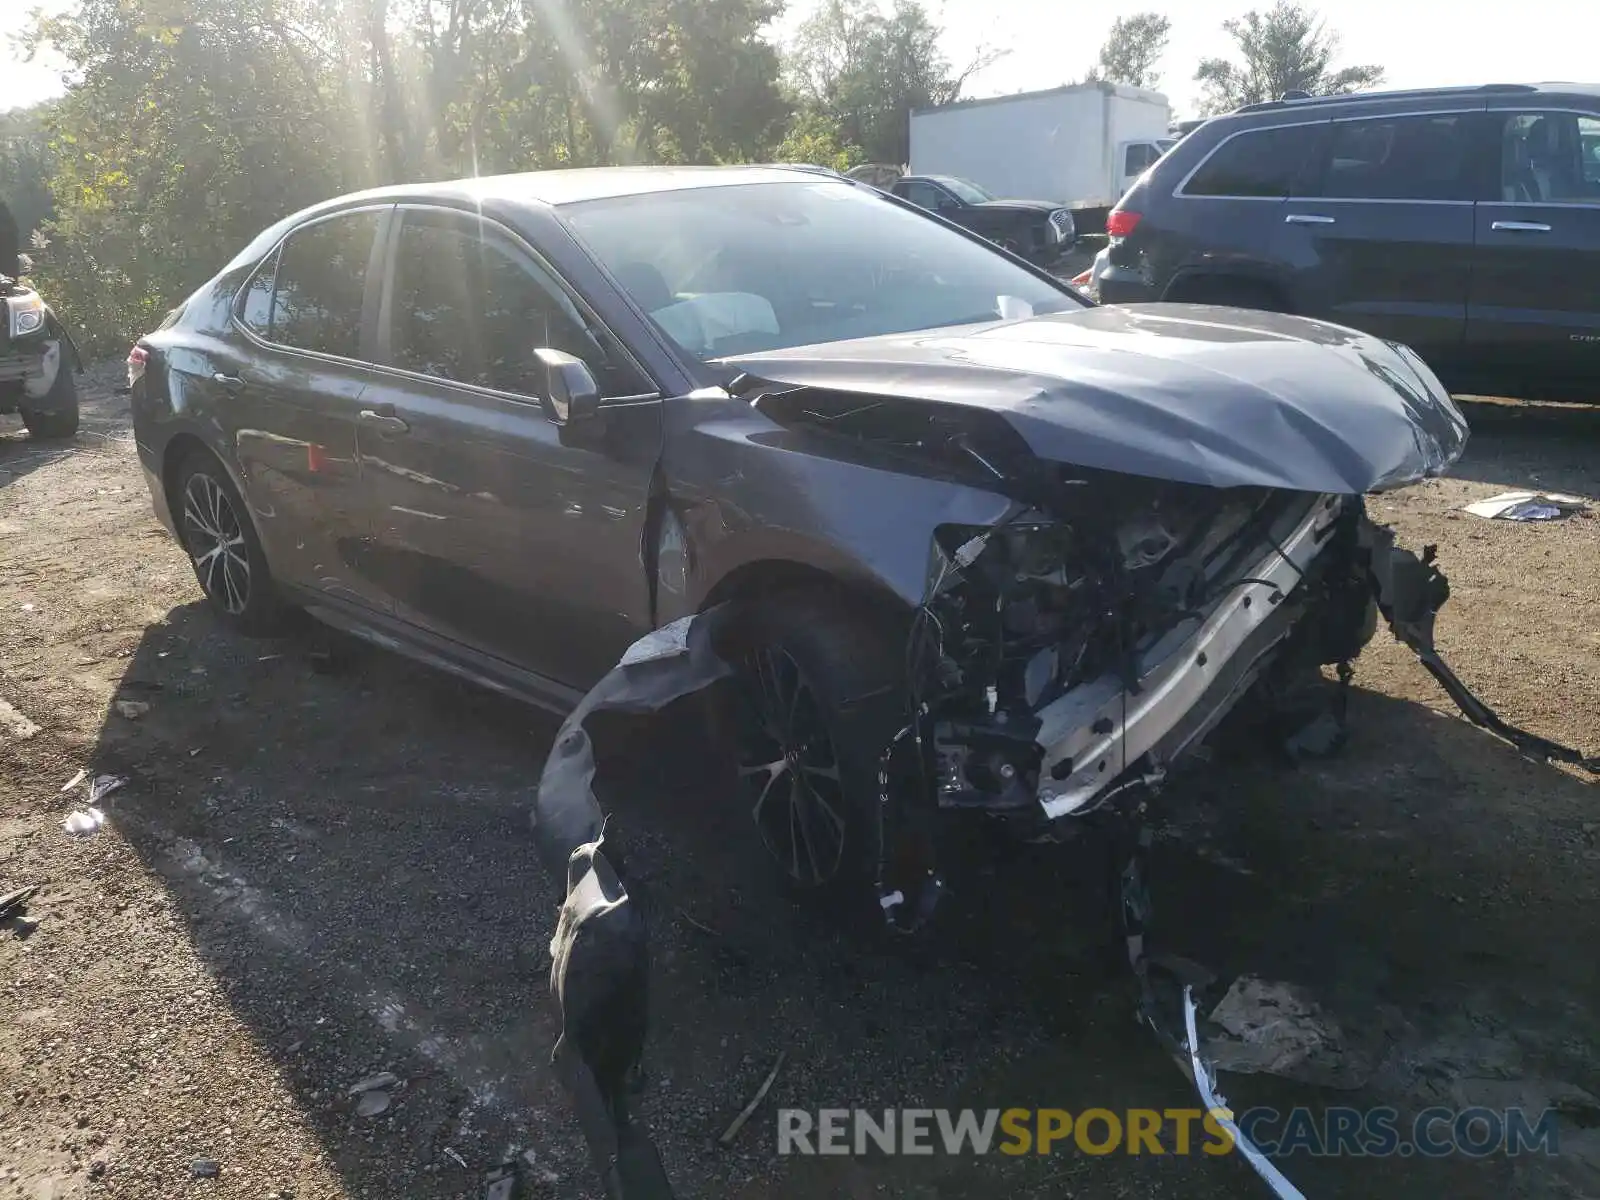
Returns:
point(1121, 285)
point(149, 462)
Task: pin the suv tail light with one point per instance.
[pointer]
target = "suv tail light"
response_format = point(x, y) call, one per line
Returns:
point(1121, 222)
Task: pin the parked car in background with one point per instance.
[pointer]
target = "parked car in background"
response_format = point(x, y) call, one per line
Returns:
point(1037, 230)
point(879, 175)
point(510, 425)
point(1464, 222)
point(36, 355)
point(1081, 145)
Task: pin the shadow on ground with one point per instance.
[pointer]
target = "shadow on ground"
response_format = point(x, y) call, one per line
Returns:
point(1531, 447)
point(346, 835)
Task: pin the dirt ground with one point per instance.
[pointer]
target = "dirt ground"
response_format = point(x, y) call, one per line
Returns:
point(321, 869)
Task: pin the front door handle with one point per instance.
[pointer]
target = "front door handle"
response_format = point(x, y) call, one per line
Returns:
point(1307, 219)
point(1521, 226)
point(384, 423)
point(232, 382)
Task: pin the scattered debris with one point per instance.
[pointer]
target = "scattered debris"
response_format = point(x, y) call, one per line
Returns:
point(205, 1168)
point(131, 709)
point(84, 821)
point(383, 1079)
point(27, 608)
point(1217, 1106)
point(14, 723)
point(450, 1153)
point(75, 781)
point(103, 786)
point(15, 903)
point(501, 1184)
point(1528, 506)
point(373, 1103)
point(732, 1131)
point(1278, 1029)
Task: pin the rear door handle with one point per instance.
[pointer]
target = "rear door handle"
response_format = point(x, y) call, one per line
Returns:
point(1521, 226)
point(383, 422)
point(1307, 219)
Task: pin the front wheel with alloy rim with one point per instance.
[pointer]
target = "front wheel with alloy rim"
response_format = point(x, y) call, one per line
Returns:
point(215, 528)
point(816, 697)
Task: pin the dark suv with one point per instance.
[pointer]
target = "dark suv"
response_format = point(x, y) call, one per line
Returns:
point(1464, 222)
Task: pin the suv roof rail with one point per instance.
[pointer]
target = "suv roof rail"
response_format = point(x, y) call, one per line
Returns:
point(1300, 98)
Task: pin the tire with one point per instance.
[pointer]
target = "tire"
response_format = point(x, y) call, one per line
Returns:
point(215, 530)
point(58, 418)
point(1230, 293)
point(811, 787)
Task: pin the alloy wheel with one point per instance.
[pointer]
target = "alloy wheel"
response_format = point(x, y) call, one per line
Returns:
point(214, 536)
point(789, 770)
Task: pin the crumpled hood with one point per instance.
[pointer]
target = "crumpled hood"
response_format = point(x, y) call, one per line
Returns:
point(1188, 393)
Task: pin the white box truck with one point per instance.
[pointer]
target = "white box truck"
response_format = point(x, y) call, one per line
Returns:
point(1080, 146)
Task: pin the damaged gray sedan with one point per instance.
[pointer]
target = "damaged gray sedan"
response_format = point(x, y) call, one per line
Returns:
point(984, 546)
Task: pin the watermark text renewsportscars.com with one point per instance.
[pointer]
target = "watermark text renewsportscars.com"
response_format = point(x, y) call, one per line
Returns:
point(1331, 1132)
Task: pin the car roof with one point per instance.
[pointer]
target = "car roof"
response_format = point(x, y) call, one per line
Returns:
point(1379, 97)
point(578, 184)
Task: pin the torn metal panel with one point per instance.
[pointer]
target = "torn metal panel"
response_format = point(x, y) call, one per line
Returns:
point(1174, 392)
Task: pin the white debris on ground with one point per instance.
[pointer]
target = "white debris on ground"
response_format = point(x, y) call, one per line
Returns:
point(1527, 506)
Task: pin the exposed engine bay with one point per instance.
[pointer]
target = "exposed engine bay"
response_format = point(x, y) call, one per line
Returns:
point(1054, 655)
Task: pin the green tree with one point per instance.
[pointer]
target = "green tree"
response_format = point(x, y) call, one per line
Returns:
point(866, 71)
point(1287, 48)
point(26, 167)
point(1132, 49)
point(813, 138)
point(190, 125)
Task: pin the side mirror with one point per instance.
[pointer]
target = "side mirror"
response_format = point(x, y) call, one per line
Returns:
point(570, 391)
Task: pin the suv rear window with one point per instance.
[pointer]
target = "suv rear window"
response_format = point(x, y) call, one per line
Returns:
point(1398, 158)
point(1257, 162)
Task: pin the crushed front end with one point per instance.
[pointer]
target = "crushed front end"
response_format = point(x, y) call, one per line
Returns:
point(1063, 657)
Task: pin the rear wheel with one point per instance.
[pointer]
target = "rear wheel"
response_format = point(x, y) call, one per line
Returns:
point(57, 413)
point(215, 528)
point(816, 697)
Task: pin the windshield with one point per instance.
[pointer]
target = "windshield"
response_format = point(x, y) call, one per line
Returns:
point(969, 192)
point(743, 268)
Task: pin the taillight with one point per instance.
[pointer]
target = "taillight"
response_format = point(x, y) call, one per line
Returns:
point(137, 357)
point(1121, 222)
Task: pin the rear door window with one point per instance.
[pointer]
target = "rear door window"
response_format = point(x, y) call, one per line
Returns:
point(321, 281)
point(1259, 163)
point(255, 304)
point(1422, 157)
point(1550, 158)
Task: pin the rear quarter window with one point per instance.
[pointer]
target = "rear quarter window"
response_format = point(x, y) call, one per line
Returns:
point(1257, 163)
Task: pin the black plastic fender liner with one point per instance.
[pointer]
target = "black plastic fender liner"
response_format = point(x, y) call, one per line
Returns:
point(665, 665)
point(600, 953)
point(1411, 590)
